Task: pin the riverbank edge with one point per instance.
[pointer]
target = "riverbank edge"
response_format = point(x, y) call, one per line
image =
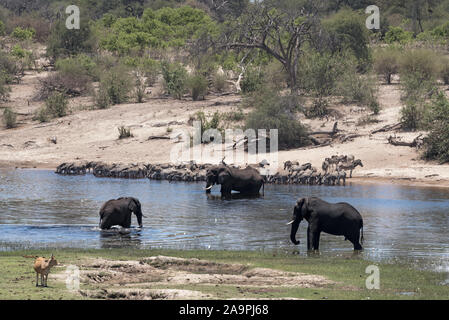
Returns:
point(355, 180)
point(348, 272)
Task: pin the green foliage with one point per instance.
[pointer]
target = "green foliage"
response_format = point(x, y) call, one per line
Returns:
point(56, 105)
point(444, 70)
point(386, 62)
point(175, 76)
point(139, 88)
point(9, 118)
point(347, 31)
point(148, 67)
point(42, 115)
point(166, 27)
point(80, 65)
point(275, 111)
point(23, 33)
point(252, 79)
point(398, 35)
point(197, 84)
point(65, 42)
point(9, 68)
point(117, 84)
point(4, 88)
point(2, 28)
point(102, 99)
point(437, 142)
point(360, 89)
point(124, 132)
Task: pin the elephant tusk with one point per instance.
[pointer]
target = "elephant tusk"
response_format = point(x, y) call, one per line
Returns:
point(209, 188)
point(290, 222)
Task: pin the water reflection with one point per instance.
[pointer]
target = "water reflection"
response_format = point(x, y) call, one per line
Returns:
point(39, 208)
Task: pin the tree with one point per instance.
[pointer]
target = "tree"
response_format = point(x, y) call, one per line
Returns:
point(280, 31)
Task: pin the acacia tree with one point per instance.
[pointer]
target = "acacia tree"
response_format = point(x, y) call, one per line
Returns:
point(280, 31)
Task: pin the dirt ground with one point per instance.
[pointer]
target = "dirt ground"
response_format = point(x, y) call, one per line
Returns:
point(92, 135)
point(162, 277)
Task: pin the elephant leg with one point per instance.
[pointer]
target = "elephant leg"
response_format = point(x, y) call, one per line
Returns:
point(355, 240)
point(309, 239)
point(316, 240)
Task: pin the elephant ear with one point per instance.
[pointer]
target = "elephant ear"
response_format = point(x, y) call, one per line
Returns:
point(223, 175)
point(132, 206)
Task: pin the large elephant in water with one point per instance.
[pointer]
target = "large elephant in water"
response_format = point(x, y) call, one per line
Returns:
point(247, 181)
point(339, 219)
point(118, 212)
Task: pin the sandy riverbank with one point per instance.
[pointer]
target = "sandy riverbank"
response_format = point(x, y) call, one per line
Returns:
point(92, 135)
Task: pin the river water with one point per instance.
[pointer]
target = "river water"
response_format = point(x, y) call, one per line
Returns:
point(41, 209)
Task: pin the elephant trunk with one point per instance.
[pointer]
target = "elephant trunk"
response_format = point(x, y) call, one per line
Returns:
point(295, 226)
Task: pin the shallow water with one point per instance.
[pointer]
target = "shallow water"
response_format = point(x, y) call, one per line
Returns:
point(41, 209)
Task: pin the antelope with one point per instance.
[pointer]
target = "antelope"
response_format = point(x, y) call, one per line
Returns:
point(42, 267)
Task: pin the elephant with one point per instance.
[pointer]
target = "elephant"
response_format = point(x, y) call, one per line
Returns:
point(118, 212)
point(339, 219)
point(247, 181)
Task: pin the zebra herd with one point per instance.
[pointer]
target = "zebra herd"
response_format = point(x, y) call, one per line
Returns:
point(333, 171)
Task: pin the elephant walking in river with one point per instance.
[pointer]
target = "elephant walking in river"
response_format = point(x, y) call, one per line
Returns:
point(247, 181)
point(118, 212)
point(339, 219)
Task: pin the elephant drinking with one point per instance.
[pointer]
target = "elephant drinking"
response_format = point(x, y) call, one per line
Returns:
point(118, 212)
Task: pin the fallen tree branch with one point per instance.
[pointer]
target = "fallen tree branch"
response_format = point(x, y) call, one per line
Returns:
point(389, 127)
point(414, 144)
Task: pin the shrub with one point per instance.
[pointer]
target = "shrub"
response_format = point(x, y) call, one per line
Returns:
point(139, 88)
point(398, 35)
point(412, 115)
point(102, 99)
point(419, 62)
point(56, 105)
point(275, 111)
point(361, 89)
point(252, 80)
point(444, 70)
point(175, 77)
point(67, 42)
point(9, 118)
point(213, 123)
point(4, 88)
point(2, 28)
point(219, 82)
point(41, 115)
point(347, 31)
point(437, 142)
point(117, 83)
point(78, 66)
point(9, 68)
point(197, 84)
point(386, 63)
point(23, 33)
point(124, 133)
point(65, 83)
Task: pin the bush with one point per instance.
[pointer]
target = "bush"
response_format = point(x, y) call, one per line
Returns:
point(175, 77)
point(386, 63)
point(413, 115)
point(23, 33)
point(41, 115)
point(102, 99)
point(139, 88)
point(66, 83)
point(361, 89)
point(9, 118)
point(197, 84)
point(9, 68)
point(56, 105)
point(398, 35)
point(437, 142)
point(252, 80)
point(213, 123)
point(2, 28)
point(117, 84)
point(419, 62)
point(219, 82)
point(68, 42)
point(78, 66)
point(4, 88)
point(347, 31)
point(124, 133)
point(275, 111)
point(444, 70)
